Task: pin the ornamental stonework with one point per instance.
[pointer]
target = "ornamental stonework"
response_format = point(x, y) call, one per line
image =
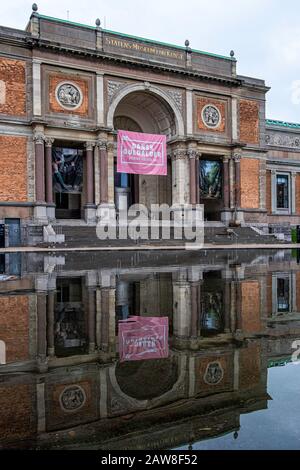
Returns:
point(277, 139)
point(68, 95)
point(72, 398)
point(113, 87)
point(214, 373)
point(176, 96)
point(211, 115)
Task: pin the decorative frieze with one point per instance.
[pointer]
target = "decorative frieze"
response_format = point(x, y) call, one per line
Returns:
point(277, 139)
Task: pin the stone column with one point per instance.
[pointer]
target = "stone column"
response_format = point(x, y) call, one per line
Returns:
point(103, 172)
point(226, 182)
point(181, 305)
point(50, 323)
point(90, 208)
point(237, 172)
point(193, 160)
point(91, 320)
point(293, 192)
point(49, 178)
point(41, 331)
point(226, 214)
point(194, 309)
point(40, 214)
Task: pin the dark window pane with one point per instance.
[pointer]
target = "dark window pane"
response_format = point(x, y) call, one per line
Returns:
point(282, 187)
point(283, 295)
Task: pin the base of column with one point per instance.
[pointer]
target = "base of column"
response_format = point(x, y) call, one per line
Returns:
point(40, 214)
point(226, 216)
point(106, 210)
point(90, 214)
point(51, 212)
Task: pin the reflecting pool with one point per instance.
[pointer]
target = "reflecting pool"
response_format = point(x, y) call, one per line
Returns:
point(172, 350)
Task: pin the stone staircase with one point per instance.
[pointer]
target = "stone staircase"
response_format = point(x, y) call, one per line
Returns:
point(85, 236)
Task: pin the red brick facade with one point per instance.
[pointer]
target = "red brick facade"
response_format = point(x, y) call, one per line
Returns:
point(250, 307)
point(249, 121)
point(249, 183)
point(12, 87)
point(13, 168)
point(14, 327)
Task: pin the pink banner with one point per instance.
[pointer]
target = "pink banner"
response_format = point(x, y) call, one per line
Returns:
point(142, 154)
point(142, 338)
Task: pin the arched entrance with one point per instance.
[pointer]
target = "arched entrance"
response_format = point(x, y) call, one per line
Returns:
point(144, 110)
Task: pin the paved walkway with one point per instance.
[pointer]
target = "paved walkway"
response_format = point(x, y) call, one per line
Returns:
point(253, 246)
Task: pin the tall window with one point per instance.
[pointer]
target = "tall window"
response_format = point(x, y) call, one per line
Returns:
point(283, 294)
point(282, 190)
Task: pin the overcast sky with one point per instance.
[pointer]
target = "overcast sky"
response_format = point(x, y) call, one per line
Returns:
point(265, 34)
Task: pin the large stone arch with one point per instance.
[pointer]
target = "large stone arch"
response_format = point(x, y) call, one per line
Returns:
point(148, 89)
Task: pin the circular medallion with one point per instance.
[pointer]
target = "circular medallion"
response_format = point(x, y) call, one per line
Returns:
point(211, 116)
point(72, 398)
point(68, 95)
point(214, 373)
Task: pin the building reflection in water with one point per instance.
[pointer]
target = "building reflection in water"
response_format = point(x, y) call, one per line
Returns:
point(229, 318)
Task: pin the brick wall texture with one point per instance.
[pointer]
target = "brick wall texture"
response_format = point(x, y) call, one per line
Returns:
point(12, 87)
point(249, 183)
point(54, 105)
point(16, 418)
point(14, 327)
point(13, 168)
point(250, 366)
point(221, 105)
point(249, 121)
point(250, 307)
point(57, 418)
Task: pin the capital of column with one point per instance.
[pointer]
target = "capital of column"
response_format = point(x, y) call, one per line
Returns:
point(193, 153)
point(38, 138)
point(101, 144)
point(179, 154)
point(226, 158)
point(89, 145)
point(294, 174)
point(48, 141)
point(110, 146)
point(237, 157)
point(273, 172)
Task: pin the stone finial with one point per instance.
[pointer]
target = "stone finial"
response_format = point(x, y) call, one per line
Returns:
point(187, 43)
point(98, 22)
point(34, 7)
point(232, 54)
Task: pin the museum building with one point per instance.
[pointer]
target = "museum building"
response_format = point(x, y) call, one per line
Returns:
point(67, 88)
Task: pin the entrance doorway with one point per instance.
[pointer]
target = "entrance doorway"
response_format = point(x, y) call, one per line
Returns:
point(67, 163)
point(68, 206)
point(142, 111)
point(211, 187)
